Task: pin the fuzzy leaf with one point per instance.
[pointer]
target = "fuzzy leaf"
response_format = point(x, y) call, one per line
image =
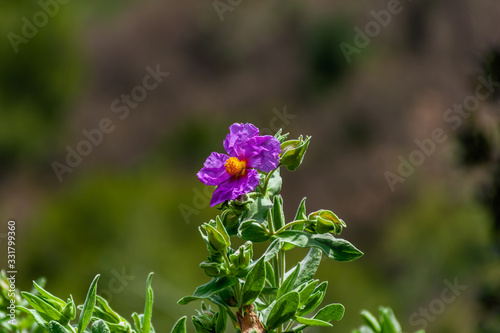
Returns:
point(148, 309)
point(331, 312)
point(308, 266)
point(311, 322)
point(335, 248)
point(282, 310)
point(88, 306)
point(253, 231)
point(254, 283)
point(208, 289)
point(99, 326)
point(180, 326)
point(55, 327)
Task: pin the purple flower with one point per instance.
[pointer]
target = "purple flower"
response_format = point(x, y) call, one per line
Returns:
point(236, 173)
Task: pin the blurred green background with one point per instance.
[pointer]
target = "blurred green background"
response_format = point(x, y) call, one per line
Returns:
point(133, 204)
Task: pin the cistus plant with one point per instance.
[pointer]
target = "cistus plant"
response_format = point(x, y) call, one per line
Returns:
point(262, 294)
point(52, 314)
point(387, 322)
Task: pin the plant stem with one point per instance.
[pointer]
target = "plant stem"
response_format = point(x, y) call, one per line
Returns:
point(237, 292)
point(266, 181)
point(276, 275)
point(286, 226)
point(282, 265)
point(282, 275)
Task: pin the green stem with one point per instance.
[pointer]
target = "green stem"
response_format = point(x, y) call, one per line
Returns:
point(266, 181)
point(282, 275)
point(282, 264)
point(286, 226)
point(237, 292)
point(276, 275)
point(289, 326)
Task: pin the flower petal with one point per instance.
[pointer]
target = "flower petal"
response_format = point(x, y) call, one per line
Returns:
point(235, 187)
point(236, 141)
point(263, 153)
point(214, 171)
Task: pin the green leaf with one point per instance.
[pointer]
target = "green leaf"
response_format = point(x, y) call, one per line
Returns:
point(311, 322)
point(148, 309)
point(335, 248)
point(110, 314)
point(222, 230)
point(123, 326)
point(272, 250)
point(331, 312)
point(269, 291)
point(216, 243)
point(69, 311)
point(286, 286)
point(208, 289)
point(56, 302)
point(55, 327)
point(308, 266)
point(180, 326)
point(278, 216)
point(301, 212)
point(253, 231)
point(221, 321)
point(282, 310)
point(299, 216)
point(388, 322)
point(137, 322)
point(99, 326)
point(257, 209)
point(305, 290)
point(371, 321)
point(314, 300)
point(274, 184)
point(270, 275)
point(40, 320)
point(42, 306)
point(254, 283)
point(88, 306)
point(293, 151)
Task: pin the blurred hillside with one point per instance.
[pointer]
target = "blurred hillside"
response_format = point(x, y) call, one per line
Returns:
point(156, 85)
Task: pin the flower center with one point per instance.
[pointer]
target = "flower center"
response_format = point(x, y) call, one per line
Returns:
point(235, 167)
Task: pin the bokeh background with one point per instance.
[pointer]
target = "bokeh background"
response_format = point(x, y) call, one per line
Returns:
point(133, 205)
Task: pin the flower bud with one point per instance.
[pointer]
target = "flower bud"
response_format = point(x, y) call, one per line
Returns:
point(240, 259)
point(217, 242)
point(325, 221)
point(293, 151)
point(214, 269)
point(69, 311)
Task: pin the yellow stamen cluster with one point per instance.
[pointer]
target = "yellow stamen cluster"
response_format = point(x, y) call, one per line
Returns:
point(235, 167)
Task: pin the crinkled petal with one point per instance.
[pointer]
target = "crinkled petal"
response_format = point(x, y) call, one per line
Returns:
point(263, 153)
point(234, 187)
point(236, 141)
point(214, 171)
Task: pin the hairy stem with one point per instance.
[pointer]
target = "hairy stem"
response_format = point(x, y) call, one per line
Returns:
point(286, 226)
point(266, 181)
